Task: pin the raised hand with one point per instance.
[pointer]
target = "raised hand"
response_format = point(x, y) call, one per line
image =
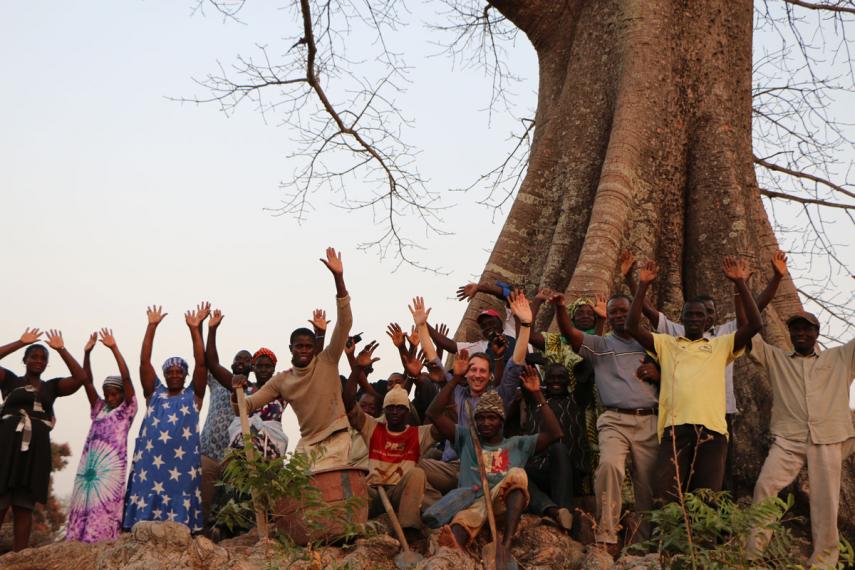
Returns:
point(90, 344)
point(319, 320)
point(412, 364)
point(366, 357)
point(420, 314)
point(30, 335)
point(155, 314)
point(601, 306)
point(350, 347)
point(216, 318)
point(54, 339)
point(413, 337)
point(204, 309)
point(442, 329)
point(194, 318)
point(107, 338)
point(544, 295)
point(239, 381)
point(461, 362)
point(467, 292)
point(333, 261)
point(520, 306)
point(627, 262)
point(557, 299)
point(648, 272)
point(779, 263)
point(393, 330)
point(530, 379)
point(735, 268)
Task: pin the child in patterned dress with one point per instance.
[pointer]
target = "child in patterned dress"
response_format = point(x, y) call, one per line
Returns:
point(95, 511)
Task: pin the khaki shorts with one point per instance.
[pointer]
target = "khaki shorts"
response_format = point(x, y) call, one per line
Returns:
point(474, 517)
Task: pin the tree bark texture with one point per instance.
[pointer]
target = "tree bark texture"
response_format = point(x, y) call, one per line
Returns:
point(643, 141)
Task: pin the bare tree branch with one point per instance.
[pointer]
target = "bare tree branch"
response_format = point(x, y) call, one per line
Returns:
point(843, 7)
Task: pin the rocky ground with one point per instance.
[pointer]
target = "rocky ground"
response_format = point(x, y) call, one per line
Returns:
point(153, 546)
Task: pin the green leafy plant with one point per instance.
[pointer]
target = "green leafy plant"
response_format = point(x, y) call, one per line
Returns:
point(718, 531)
point(272, 481)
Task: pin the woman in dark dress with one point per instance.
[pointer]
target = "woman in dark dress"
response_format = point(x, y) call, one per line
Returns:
point(26, 419)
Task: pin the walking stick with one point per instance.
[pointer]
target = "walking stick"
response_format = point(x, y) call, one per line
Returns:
point(260, 515)
point(407, 558)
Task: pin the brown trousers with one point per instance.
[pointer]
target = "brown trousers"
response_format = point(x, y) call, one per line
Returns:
point(408, 497)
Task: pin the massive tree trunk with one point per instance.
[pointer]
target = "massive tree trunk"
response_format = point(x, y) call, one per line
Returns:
point(643, 141)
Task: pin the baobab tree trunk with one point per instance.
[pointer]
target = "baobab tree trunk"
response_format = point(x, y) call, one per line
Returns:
point(643, 141)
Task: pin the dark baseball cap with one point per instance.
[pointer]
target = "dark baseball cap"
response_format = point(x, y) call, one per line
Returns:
point(803, 316)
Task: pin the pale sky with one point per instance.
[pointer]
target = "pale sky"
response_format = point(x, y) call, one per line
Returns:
point(115, 197)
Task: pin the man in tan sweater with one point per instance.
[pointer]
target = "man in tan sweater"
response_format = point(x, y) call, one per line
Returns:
point(312, 387)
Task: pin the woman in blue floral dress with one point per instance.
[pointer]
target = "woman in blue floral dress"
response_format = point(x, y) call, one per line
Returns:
point(95, 510)
point(166, 472)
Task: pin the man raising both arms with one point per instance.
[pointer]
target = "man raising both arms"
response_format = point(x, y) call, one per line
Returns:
point(691, 424)
point(312, 387)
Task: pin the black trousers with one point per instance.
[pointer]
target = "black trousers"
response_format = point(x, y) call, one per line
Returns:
point(699, 463)
point(552, 485)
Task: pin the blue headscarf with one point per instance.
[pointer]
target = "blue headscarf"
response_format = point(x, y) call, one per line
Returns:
point(176, 361)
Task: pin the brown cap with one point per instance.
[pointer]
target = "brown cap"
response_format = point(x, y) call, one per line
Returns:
point(803, 316)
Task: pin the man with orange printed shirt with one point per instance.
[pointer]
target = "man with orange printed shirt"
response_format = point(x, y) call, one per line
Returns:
point(394, 448)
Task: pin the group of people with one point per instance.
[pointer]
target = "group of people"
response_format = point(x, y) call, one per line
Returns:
point(545, 417)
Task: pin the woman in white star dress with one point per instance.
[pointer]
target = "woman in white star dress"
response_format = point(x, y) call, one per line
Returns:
point(166, 472)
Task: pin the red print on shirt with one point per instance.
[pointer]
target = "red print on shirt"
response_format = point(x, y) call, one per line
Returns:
point(496, 462)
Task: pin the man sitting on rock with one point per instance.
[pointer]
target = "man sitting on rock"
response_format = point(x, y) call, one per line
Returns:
point(394, 448)
point(504, 461)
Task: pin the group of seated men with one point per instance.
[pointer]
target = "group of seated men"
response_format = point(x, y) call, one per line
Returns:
point(665, 399)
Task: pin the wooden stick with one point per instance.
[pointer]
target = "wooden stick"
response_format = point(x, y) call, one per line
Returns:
point(393, 517)
point(260, 515)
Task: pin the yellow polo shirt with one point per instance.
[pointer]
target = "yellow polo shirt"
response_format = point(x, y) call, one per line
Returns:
point(691, 389)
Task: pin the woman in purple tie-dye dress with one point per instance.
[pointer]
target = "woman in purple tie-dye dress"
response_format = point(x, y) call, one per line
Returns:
point(95, 511)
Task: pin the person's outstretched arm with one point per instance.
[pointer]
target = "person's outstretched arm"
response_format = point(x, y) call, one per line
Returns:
point(212, 357)
point(28, 337)
point(550, 428)
point(445, 425)
point(358, 366)
point(736, 270)
point(194, 321)
point(779, 271)
point(468, 291)
point(646, 275)
point(89, 385)
point(344, 317)
point(108, 340)
point(319, 324)
point(565, 323)
point(627, 263)
point(72, 384)
point(148, 376)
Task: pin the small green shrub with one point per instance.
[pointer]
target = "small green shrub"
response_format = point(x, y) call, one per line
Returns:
point(718, 530)
point(275, 479)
